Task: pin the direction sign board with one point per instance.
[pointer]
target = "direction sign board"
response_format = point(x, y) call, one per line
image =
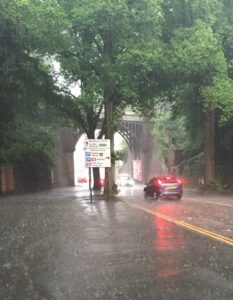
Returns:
point(97, 153)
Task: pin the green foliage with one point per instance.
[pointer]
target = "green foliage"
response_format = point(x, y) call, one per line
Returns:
point(192, 168)
point(137, 53)
point(119, 154)
point(3, 159)
point(168, 129)
point(198, 53)
point(31, 145)
point(26, 120)
point(220, 96)
point(214, 186)
point(181, 13)
point(107, 48)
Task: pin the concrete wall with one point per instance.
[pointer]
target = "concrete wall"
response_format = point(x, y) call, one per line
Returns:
point(7, 182)
point(63, 172)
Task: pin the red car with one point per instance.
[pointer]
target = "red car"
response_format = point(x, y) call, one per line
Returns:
point(82, 179)
point(164, 186)
point(102, 182)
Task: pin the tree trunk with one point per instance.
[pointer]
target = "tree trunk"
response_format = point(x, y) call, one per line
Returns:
point(96, 177)
point(95, 171)
point(109, 172)
point(108, 97)
point(209, 146)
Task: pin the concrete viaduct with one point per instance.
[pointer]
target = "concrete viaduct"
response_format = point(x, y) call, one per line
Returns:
point(137, 134)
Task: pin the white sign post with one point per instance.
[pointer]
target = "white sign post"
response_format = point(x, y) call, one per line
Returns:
point(97, 155)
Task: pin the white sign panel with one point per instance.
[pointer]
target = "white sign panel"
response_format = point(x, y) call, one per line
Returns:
point(97, 153)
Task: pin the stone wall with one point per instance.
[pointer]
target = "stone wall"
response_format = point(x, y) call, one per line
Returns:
point(7, 183)
point(63, 172)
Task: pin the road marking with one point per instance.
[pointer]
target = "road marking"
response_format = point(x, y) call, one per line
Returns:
point(200, 230)
point(209, 202)
point(223, 204)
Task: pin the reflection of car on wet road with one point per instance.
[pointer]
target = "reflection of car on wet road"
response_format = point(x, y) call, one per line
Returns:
point(164, 186)
point(125, 180)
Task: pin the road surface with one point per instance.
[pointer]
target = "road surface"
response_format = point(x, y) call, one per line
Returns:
point(57, 245)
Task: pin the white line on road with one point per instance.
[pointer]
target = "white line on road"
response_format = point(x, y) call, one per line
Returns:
point(209, 202)
point(223, 204)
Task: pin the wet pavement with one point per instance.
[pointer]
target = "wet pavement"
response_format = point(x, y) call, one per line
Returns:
point(57, 245)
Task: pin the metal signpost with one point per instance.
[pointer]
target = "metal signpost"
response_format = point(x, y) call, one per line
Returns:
point(97, 155)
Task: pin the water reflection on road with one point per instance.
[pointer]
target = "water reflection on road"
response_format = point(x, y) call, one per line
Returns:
point(169, 242)
point(129, 191)
point(59, 245)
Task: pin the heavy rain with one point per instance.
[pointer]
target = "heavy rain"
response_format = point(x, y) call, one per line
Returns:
point(116, 150)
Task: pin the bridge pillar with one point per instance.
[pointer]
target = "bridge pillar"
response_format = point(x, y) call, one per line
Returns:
point(141, 147)
point(151, 160)
point(138, 136)
point(63, 172)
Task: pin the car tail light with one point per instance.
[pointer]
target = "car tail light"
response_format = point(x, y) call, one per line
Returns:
point(159, 182)
point(179, 180)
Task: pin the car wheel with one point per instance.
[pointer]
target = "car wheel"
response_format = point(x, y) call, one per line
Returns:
point(157, 196)
point(179, 197)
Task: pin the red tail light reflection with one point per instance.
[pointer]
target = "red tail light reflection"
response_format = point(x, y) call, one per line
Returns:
point(168, 242)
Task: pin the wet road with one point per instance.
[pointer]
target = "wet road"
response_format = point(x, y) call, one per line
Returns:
point(56, 245)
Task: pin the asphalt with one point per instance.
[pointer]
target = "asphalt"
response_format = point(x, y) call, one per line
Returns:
point(59, 245)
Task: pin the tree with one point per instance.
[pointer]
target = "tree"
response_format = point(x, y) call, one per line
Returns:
point(27, 132)
point(198, 58)
point(134, 53)
point(95, 43)
point(168, 129)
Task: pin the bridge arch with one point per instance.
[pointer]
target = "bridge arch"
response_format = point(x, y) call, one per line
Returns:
point(134, 130)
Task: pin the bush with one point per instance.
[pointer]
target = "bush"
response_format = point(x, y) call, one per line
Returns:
point(215, 186)
point(225, 174)
point(192, 168)
point(3, 159)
